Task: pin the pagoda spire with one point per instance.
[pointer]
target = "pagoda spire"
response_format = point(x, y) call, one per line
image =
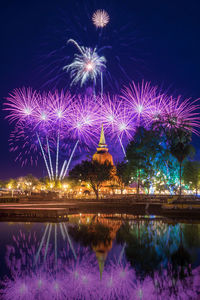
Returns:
point(102, 141)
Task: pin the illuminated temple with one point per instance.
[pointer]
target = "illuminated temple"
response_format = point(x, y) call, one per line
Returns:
point(102, 155)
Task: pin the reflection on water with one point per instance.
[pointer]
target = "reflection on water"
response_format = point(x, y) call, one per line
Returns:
point(100, 257)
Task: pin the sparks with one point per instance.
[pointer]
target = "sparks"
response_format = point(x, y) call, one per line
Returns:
point(100, 18)
point(87, 65)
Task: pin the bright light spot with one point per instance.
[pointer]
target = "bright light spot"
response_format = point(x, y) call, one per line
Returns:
point(139, 108)
point(111, 118)
point(27, 111)
point(78, 125)
point(100, 18)
point(43, 116)
point(122, 127)
point(59, 114)
point(89, 66)
point(87, 120)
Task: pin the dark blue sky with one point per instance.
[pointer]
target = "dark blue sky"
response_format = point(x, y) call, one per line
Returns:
point(167, 40)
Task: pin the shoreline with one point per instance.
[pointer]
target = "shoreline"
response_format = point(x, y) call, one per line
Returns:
point(30, 209)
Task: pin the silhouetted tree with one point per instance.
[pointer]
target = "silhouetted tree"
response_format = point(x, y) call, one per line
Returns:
point(92, 172)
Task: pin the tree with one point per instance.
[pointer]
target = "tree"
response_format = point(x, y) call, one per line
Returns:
point(92, 172)
point(123, 175)
point(144, 155)
point(180, 147)
point(191, 174)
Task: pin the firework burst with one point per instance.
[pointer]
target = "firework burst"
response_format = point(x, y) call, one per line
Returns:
point(180, 113)
point(21, 103)
point(60, 106)
point(87, 65)
point(50, 121)
point(100, 18)
point(140, 100)
point(117, 118)
point(84, 119)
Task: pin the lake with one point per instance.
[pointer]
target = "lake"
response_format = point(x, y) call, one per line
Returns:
point(100, 256)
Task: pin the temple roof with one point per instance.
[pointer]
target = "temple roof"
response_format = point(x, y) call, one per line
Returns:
point(102, 153)
point(102, 141)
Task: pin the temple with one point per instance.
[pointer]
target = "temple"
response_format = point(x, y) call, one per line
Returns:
point(102, 155)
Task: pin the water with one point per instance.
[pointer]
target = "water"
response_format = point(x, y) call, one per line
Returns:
point(100, 256)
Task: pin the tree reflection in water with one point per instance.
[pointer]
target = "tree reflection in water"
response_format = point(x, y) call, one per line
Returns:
point(93, 274)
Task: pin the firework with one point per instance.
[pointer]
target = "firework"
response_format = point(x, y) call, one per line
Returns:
point(24, 143)
point(54, 119)
point(59, 122)
point(60, 106)
point(140, 100)
point(84, 120)
point(117, 119)
point(100, 18)
point(180, 113)
point(87, 65)
point(157, 110)
point(21, 103)
point(118, 282)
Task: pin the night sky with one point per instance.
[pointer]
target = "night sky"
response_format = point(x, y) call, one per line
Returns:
point(166, 49)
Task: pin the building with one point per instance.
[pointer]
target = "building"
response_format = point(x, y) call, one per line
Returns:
point(102, 155)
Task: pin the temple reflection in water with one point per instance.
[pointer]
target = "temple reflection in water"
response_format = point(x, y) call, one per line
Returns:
point(95, 256)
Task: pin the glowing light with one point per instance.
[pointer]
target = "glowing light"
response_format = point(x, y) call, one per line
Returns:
point(122, 127)
point(27, 111)
point(87, 65)
point(59, 113)
point(43, 117)
point(100, 18)
point(140, 108)
point(111, 118)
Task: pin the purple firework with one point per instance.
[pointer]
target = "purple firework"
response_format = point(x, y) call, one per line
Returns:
point(180, 113)
point(84, 120)
point(157, 110)
point(50, 121)
point(117, 118)
point(139, 100)
point(60, 104)
point(23, 142)
point(21, 104)
point(117, 282)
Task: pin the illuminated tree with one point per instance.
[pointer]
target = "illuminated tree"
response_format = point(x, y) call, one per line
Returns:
point(191, 174)
point(180, 147)
point(123, 175)
point(93, 172)
point(143, 155)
